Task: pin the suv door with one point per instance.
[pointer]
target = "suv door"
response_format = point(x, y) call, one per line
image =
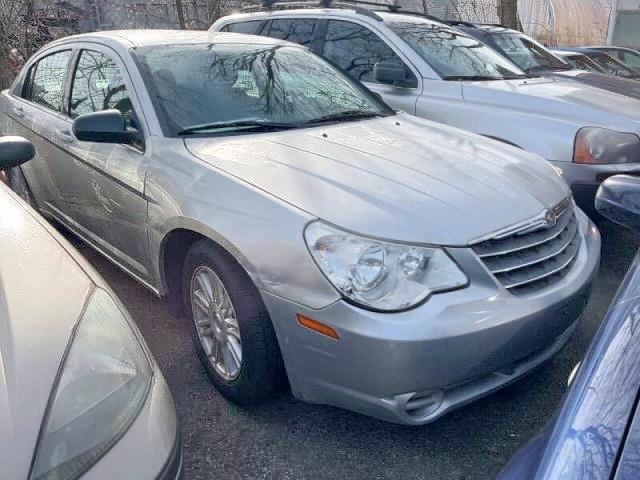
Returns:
point(34, 110)
point(356, 49)
point(296, 30)
point(103, 184)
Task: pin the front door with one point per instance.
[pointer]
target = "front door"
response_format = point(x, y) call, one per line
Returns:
point(104, 196)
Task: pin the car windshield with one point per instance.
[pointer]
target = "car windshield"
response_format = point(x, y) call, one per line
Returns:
point(582, 62)
point(613, 66)
point(226, 89)
point(454, 55)
point(527, 54)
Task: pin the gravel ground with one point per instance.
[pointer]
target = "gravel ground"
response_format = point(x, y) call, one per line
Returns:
point(287, 439)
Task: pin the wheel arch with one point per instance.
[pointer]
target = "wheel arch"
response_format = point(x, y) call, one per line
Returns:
point(173, 248)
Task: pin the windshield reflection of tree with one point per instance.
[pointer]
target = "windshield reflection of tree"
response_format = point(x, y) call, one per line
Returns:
point(592, 446)
point(270, 83)
point(451, 53)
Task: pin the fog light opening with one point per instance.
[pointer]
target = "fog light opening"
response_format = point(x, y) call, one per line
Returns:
point(423, 404)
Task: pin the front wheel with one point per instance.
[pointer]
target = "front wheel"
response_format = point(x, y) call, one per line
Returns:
point(232, 331)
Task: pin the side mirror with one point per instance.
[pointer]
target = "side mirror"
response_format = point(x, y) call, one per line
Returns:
point(107, 126)
point(389, 72)
point(15, 151)
point(618, 199)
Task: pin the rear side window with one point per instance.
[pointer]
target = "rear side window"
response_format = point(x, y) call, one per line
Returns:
point(250, 28)
point(47, 80)
point(356, 49)
point(98, 84)
point(296, 30)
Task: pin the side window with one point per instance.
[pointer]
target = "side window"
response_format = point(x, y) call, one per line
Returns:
point(296, 30)
point(99, 85)
point(250, 28)
point(633, 60)
point(356, 49)
point(46, 85)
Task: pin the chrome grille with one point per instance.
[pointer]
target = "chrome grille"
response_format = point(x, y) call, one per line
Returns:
point(534, 255)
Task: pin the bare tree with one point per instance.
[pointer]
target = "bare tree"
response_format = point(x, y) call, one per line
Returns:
point(10, 12)
point(508, 13)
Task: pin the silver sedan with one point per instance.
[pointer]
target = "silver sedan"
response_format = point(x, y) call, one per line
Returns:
point(80, 393)
point(312, 235)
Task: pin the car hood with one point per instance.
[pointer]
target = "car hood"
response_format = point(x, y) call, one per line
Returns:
point(564, 100)
point(398, 178)
point(42, 293)
point(622, 86)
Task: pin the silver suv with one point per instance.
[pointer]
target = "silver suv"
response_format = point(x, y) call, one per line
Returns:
point(374, 260)
point(437, 72)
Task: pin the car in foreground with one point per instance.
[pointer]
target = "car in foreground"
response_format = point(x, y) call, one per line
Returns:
point(80, 393)
point(312, 235)
point(628, 56)
point(595, 434)
point(438, 72)
point(612, 65)
point(535, 59)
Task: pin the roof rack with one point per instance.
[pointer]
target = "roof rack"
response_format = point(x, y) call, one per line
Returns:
point(461, 23)
point(268, 5)
point(271, 5)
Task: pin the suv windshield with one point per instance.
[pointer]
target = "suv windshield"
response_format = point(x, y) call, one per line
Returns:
point(454, 55)
point(527, 54)
point(213, 89)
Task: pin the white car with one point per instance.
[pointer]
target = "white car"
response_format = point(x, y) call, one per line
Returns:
point(437, 72)
point(81, 396)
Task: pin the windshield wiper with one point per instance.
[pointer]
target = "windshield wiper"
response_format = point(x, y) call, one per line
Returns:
point(347, 115)
point(243, 124)
point(471, 78)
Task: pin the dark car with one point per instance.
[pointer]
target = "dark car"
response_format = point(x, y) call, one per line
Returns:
point(628, 56)
point(579, 61)
point(612, 65)
point(595, 434)
point(537, 60)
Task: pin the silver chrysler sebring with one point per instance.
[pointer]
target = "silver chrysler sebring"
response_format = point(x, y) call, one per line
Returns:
point(80, 394)
point(313, 236)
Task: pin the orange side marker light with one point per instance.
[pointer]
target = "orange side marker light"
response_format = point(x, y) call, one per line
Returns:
point(317, 327)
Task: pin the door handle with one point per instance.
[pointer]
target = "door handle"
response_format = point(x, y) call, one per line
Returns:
point(18, 111)
point(65, 136)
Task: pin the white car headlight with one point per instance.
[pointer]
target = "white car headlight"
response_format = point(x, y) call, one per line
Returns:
point(599, 146)
point(381, 275)
point(104, 381)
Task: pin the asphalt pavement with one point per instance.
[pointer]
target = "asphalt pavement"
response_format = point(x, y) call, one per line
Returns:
point(287, 439)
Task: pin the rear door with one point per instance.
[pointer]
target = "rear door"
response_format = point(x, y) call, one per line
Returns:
point(34, 110)
point(355, 48)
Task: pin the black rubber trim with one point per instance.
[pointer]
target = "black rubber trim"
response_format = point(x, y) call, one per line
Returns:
point(172, 470)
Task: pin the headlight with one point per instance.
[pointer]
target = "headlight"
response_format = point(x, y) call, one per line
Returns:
point(601, 146)
point(381, 275)
point(103, 384)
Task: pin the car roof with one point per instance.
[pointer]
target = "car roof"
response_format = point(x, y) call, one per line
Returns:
point(568, 53)
point(145, 38)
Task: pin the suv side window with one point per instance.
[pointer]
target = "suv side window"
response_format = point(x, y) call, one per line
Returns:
point(296, 30)
point(46, 80)
point(250, 28)
point(99, 85)
point(356, 49)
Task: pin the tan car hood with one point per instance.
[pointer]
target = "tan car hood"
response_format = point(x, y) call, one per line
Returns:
point(42, 293)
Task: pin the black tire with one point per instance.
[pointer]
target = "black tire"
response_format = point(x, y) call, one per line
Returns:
point(19, 185)
point(261, 376)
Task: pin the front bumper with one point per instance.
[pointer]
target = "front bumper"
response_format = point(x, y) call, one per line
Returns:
point(584, 180)
point(413, 367)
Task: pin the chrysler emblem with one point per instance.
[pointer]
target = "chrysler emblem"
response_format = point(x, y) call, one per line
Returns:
point(550, 217)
